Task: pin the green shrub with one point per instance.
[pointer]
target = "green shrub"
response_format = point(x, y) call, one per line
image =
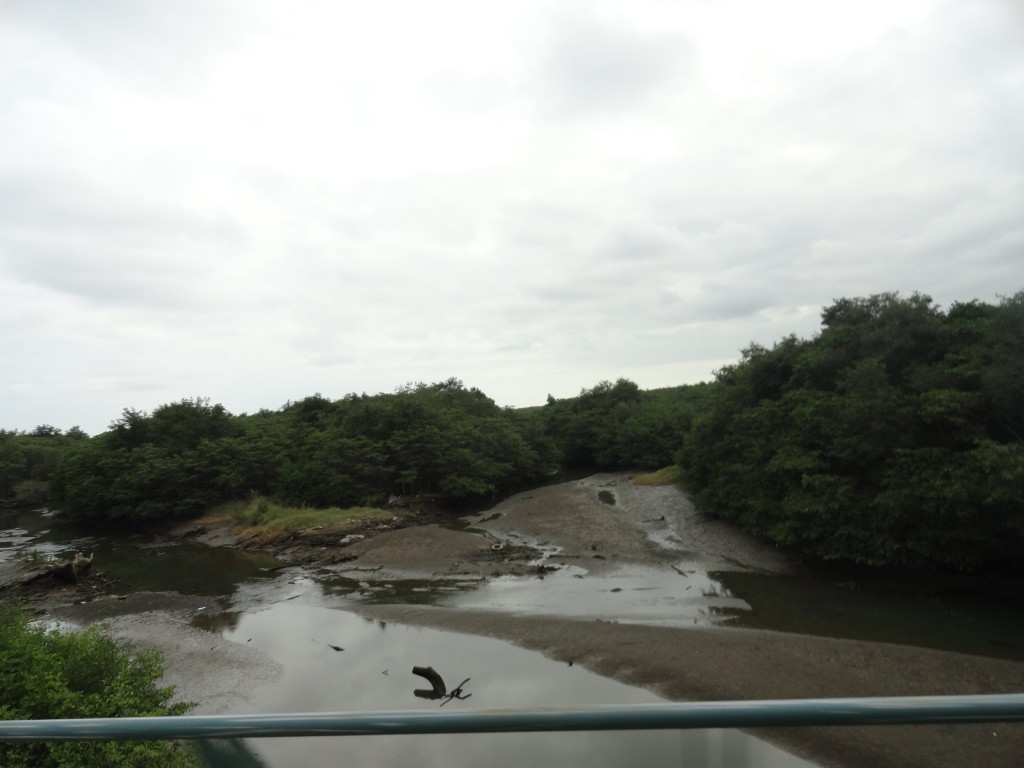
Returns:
point(51, 674)
point(32, 493)
point(252, 512)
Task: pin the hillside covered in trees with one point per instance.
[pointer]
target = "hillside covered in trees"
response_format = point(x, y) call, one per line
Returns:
point(893, 437)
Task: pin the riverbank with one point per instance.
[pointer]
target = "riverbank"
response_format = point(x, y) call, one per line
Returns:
point(709, 664)
point(600, 525)
point(641, 524)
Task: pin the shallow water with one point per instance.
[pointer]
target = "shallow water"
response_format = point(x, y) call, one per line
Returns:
point(682, 596)
point(985, 625)
point(301, 624)
point(291, 618)
point(686, 594)
point(139, 562)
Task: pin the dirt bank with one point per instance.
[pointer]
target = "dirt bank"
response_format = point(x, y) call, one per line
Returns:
point(607, 518)
point(568, 524)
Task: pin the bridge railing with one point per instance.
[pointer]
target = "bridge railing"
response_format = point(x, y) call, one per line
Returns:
point(683, 715)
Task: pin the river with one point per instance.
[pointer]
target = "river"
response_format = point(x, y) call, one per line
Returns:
point(298, 645)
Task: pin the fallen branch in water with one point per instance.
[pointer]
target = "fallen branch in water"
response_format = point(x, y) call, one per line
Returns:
point(430, 675)
point(438, 689)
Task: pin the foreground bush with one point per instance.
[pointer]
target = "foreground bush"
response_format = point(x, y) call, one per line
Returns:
point(50, 674)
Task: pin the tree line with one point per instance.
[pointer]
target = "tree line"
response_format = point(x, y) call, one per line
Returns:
point(184, 457)
point(443, 439)
point(892, 437)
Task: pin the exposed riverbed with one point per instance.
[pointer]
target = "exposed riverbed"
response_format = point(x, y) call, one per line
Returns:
point(625, 581)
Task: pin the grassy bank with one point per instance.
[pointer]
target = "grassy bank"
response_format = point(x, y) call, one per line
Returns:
point(666, 476)
point(262, 521)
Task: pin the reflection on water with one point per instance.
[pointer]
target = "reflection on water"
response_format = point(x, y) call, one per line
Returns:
point(13, 539)
point(137, 562)
point(680, 595)
point(675, 595)
point(190, 569)
point(37, 531)
point(396, 591)
point(978, 624)
point(220, 623)
point(685, 595)
point(335, 661)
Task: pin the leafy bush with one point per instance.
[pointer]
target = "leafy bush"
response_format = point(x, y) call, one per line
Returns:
point(50, 674)
point(32, 493)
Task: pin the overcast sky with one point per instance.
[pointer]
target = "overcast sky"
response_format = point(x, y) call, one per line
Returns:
point(254, 201)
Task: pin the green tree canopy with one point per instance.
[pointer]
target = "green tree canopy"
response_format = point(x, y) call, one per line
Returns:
point(891, 438)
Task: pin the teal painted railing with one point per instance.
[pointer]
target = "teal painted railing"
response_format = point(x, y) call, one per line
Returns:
point(716, 714)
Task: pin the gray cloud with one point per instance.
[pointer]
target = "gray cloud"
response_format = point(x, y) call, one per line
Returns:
point(254, 204)
point(70, 236)
point(596, 66)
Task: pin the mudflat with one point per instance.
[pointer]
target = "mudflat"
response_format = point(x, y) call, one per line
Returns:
point(700, 664)
point(603, 522)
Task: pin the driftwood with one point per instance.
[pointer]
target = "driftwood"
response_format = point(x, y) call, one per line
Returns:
point(70, 570)
point(438, 689)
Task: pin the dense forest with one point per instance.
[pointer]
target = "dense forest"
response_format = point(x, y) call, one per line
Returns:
point(895, 436)
point(443, 439)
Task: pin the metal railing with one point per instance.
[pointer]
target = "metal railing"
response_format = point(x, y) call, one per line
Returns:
point(684, 715)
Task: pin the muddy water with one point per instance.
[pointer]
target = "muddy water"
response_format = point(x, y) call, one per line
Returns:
point(282, 624)
point(679, 596)
point(692, 592)
point(299, 650)
point(975, 623)
point(138, 562)
point(703, 590)
point(689, 592)
point(333, 660)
